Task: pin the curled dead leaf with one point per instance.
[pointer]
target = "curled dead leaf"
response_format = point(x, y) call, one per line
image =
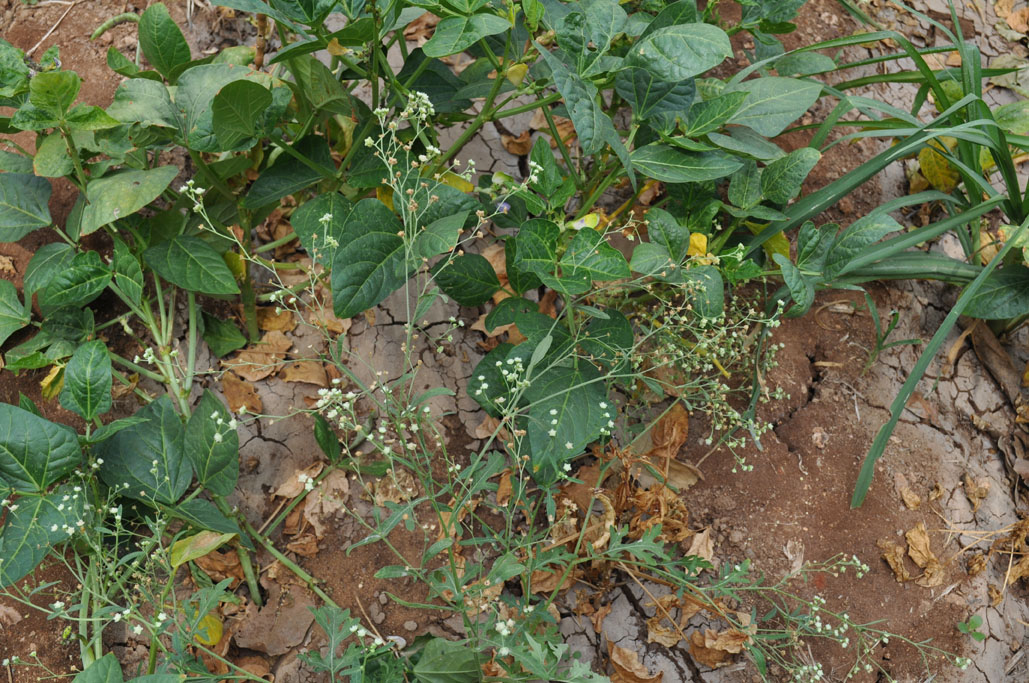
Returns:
point(976, 490)
point(628, 668)
point(670, 433)
point(262, 359)
point(715, 650)
point(703, 546)
point(520, 145)
point(921, 554)
point(272, 318)
point(306, 371)
point(305, 546)
point(893, 553)
point(240, 394)
point(326, 501)
point(912, 501)
point(398, 486)
point(295, 484)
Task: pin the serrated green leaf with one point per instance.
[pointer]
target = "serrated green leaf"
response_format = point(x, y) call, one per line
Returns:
point(13, 314)
point(456, 34)
point(87, 381)
point(443, 661)
point(24, 206)
point(121, 194)
point(782, 179)
point(773, 102)
point(222, 336)
point(162, 42)
point(670, 165)
point(146, 461)
point(681, 51)
point(213, 445)
point(373, 264)
point(192, 264)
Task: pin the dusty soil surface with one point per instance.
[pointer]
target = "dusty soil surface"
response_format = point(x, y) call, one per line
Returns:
point(794, 504)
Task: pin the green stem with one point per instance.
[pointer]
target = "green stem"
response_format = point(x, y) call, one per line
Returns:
point(191, 351)
point(244, 555)
point(473, 128)
point(289, 564)
point(563, 148)
point(277, 243)
point(247, 288)
point(131, 17)
point(143, 372)
point(74, 154)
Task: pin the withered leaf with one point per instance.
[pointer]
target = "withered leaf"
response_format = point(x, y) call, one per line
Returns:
point(326, 501)
point(628, 668)
point(270, 318)
point(306, 371)
point(893, 553)
point(976, 490)
point(262, 359)
point(240, 394)
point(703, 546)
point(922, 555)
point(714, 650)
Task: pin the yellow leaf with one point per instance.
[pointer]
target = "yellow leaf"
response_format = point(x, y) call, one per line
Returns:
point(590, 220)
point(777, 245)
point(197, 545)
point(209, 630)
point(457, 182)
point(385, 195)
point(516, 74)
point(236, 265)
point(698, 244)
point(937, 170)
point(53, 382)
point(335, 49)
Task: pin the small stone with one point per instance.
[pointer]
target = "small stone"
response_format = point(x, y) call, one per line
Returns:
point(379, 618)
point(410, 625)
point(383, 599)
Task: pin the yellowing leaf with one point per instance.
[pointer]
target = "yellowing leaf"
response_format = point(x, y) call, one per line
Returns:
point(385, 195)
point(516, 74)
point(53, 382)
point(209, 630)
point(698, 244)
point(457, 182)
point(236, 265)
point(937, 170)
point(197, 545)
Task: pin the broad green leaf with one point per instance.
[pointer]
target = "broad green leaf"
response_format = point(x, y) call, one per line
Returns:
point(104, 670)
point(651, 98)
point(52, 159)
point(197, 88)
point(191, 264)
point(861, 234)
point(487, 383)
point(128, 275)
point(507, 312)
point(468, 279)
point(212, 444)
point(681, 51)
point(196, 546)
point(321, 237)
point(802, 288)
point(745, 185)
point(203, 514)
point(163, 44)
point(11, 162)
point(288, 175)
point(443, 661)
point(519, 277)
point(237, 111)
point(53, 92)
point(120, 64)
point(440, 236)
point(549, 177)
point(34, 452)
point(87, 381)
point(23, 205)
point(110, 429)
point(372, 266)
point(143, 101)
point(782, 179)
point(743, 141)
point(34, 525)
point(711, 115)
point(13, 314)
point(663, 229)
point(83, 280)
point(706, 289)
point(88, 117)
point(72, 324)
point(813, 245)
point(146, 461)
point(14, 72)
point(320, 86)
point(46, 263)
point(682, 12)
point(671, 165)
point(773, 102)
point(804, 64)
point(327, 439)
point(121, 194)
point(654, 260)
point(221, 335)
point(593, 127)
point(608, 339)
point(1003, 296)
point(590, 253)
point(456, 34)
point(536, 246)
point(565, 415)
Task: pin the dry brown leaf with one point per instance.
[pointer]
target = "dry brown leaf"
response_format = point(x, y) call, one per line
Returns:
point(1019, 20)
point(422, 28)
point(305, 546)
point(680, 475)
point(10, 616)
point(504, 488)
point(976, 490)
point(271, 318)
point(546, 582)
point(703, 546)
point(260, 360)
point(936, 492)
point(976, 564)
point(628, 668)
point(240, 395)
point(794, 552)
point(996, 595)
point(921, 554)
point(519, 146)
point(7, 264)
point(820, 438)
point(326, 501)
point(397, 487)
point(597, 618)
point(1019, 570)
point(714, 650)
point(306, 371)
point(893, 553)
point(119, 390)
point(670, 433)
point(911, 499)
point(297, 481)
point(565, 127)
point(658, 632)
point(1003, 7)
point(221, 565)
point(582, 494)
